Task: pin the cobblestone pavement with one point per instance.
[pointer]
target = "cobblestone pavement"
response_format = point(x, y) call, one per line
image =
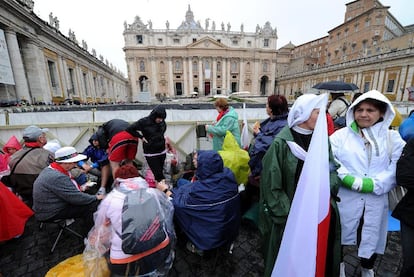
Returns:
point(29, 255)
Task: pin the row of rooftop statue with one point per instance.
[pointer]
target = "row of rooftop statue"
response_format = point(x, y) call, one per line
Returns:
point(204, 199)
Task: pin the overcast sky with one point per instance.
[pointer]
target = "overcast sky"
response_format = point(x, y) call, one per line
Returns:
point(101, 22)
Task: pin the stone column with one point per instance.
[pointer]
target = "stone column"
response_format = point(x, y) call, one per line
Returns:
point(185, 82)
point(170, 78)
point(200, 77)
point(133, 79)
point(255, 79)
point(154, 76)
point(36, 73)
point(379, 78)
point(22, 88)
point(63, 78)
point(214, 74)
point(273, 77)
point(228, 85)
point(241, 73)
point(410, 72)
point(224, 76)
point(190, 74)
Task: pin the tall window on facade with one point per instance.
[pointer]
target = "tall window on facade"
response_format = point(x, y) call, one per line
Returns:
point(233, 66)
point(178, 88)
point(140, 39)
point(390, 85)
point(207, 71)
point(162, 66)
point(102, 87)
point(195, 67)
point(364, 46)
point(266, 42)
point(52, 73)
point(142, 66)
point(218, 66)
point(366, 86)
point(71, 90)
point(178, 65)
point(85, 83)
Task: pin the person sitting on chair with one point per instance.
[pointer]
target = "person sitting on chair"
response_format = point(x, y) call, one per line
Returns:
point(110, 216)
point(208, 209)
point(28, 162)
point(57, 196)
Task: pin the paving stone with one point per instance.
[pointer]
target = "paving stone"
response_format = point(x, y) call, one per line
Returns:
point(30, 255)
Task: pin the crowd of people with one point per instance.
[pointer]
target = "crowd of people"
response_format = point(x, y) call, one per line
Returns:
point(205, 209)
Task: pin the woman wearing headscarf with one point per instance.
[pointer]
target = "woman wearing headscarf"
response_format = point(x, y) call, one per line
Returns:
point(282, 166)
point(151, 130)
point(227, 120)
point(367, 152)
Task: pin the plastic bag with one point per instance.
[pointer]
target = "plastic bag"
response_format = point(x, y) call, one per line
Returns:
point(94, 264)
point(395, 195)
point(235, 158)
point(97, 244)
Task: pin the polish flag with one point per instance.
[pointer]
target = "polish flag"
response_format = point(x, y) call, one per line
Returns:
point(304, 243)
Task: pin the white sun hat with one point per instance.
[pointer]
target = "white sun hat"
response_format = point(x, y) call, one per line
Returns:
point(68, 154)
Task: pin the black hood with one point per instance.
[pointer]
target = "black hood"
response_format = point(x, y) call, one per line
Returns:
point(158, 112)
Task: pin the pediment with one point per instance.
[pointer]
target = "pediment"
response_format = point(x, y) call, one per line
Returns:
point(207, 43)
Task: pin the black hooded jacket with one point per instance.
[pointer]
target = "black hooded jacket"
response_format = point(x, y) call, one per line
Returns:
point(404, 211)
point(153, 132)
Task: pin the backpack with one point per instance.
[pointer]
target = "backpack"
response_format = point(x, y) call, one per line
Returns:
point(340, 121)
point(144, 224)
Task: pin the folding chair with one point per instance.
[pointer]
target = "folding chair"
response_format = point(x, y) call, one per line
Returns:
point(63, 224)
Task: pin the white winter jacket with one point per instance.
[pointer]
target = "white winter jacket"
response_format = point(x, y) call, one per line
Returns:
point(372, 160)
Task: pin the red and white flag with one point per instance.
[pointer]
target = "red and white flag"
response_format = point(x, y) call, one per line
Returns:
point(304, 243)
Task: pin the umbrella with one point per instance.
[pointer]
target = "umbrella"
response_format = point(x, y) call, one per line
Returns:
point(336, 86)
